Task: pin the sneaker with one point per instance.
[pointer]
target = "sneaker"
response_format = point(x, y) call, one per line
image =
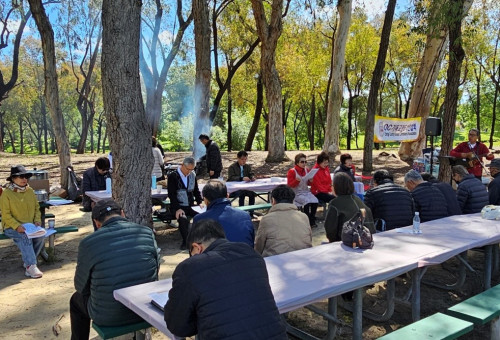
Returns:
point(33, 272)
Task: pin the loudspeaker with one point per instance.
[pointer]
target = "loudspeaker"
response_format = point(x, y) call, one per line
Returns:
point(433, 126)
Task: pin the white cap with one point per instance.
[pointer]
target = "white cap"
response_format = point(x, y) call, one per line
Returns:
point(417, 213)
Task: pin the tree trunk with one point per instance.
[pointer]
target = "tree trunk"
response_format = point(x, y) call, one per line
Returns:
point(331, 143)
point(229, 119)
point(311, 121)
point(421, 98)
point(257, 114)
point(51, 87)
point(456, 56)
point(203, 74)
point(375, 85)
point(129, 132)
point(478, 98)
point(269, 33)
point(494, 114)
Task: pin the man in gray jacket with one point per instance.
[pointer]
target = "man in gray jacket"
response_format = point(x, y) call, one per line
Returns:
point(284, 228)
point(119, 254)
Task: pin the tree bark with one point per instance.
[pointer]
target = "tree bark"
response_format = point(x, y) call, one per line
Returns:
point(256, 118)
point(456, 56)
point(331, 143)
point(375, 85)
point(269, 33)
point(203, 74)
point(420, 102)
point(129, 133)
point(52, 88)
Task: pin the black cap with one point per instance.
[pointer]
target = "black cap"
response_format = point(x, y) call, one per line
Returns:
point(103, 207)
point(494, 163)
point(18, 170)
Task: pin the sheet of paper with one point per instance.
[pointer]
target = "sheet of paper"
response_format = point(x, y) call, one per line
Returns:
point(199, 209)
point(311, 174)
point(159, 299)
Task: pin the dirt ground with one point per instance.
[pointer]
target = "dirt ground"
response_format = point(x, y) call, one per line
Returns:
point(39, 309)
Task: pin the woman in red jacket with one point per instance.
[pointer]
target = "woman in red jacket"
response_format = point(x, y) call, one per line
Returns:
point(321, 187)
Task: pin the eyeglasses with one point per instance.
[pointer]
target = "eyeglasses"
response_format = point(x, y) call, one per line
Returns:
point(302, 162)
point(472, 134)
point(23, 176)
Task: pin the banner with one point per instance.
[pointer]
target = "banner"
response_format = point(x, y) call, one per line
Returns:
point(396, 129)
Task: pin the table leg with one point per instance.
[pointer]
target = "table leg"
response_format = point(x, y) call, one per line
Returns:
point(357, 330)
point(488, 251)
point(415, 295)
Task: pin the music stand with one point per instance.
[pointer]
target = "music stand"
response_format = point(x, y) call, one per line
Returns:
point(452, 161)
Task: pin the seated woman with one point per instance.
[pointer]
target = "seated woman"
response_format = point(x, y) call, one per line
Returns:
point(19, 205)
point(321, 187)
point(346, 166)
point(303, 196)
point(342, 208)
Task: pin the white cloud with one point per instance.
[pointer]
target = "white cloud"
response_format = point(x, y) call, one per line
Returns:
point(166, 38)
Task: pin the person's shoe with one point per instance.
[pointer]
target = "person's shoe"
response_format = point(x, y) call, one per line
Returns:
point(33, 272)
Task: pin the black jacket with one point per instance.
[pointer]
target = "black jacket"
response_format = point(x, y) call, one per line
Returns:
point(179, 194)
point(429, 202)
point(392, 203)
point(92, 181)
point(213, 157)
point(494, 190)
point(471, 195)
point(223, 293)
point(451, 197)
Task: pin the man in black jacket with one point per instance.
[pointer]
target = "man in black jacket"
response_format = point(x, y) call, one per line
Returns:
point(449, 194)
point(222, 291)
point(494, 186)
point(390, 203)
point(94, 179)
point(471, 193)
point(213, 157)
point(429, 200)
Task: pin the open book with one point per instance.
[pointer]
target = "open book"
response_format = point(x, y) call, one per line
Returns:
point(32, 231)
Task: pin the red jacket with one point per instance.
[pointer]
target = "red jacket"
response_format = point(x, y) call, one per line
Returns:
point(291, 178)
point(480, 149)
point(322, 181)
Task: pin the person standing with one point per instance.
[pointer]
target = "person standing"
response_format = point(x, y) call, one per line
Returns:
point(494, 186)
point(471, 193)
point(303, 196)
point(240, 171)
point(284, 228)
point(474, 151)
point(158, 162)
point(213, 157)
point(119, 254)
point(183, 192)
point(19, 205)
point(222, 291)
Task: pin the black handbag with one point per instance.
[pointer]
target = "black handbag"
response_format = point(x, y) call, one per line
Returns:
point(355, 234)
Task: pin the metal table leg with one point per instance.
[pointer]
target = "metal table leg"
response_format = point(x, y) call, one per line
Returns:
point(357, 329)
point(488, 251)
point(415, 295)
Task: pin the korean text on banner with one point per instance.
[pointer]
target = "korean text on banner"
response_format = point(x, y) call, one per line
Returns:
point(396, 129)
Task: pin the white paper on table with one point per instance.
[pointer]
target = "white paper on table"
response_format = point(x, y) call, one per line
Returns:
point(159, 299)
point(199, 209)
point(406, 231)
point(50, 232)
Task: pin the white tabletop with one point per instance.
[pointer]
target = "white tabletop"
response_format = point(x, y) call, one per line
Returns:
point(306, 276)
point(96, 196)
point(261, 184)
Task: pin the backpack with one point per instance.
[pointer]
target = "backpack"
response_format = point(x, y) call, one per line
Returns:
point(74, 186)
point(355, 234)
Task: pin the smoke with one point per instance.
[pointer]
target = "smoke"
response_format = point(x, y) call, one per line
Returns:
point(201, 122)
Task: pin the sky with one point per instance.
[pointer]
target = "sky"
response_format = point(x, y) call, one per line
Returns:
point(374, 7)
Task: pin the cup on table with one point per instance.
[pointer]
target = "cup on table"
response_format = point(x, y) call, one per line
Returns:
point(158, 188)
point(52, 223)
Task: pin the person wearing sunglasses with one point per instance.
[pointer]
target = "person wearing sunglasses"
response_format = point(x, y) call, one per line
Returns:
point(19, 205)
point(222, 291)
point(299, 179)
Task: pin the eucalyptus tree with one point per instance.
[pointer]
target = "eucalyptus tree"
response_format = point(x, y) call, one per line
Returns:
point(156, 55)
point(128, 129)
point(51, 87)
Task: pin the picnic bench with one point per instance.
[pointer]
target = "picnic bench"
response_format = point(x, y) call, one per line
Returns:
point(109, 332)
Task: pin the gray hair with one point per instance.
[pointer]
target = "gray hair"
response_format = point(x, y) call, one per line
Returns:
point(189, 160)
point(460, 170)
point(413, 176)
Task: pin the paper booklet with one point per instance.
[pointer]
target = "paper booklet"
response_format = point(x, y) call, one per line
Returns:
point(309, 175)
point(32, 231)
point(159, 300)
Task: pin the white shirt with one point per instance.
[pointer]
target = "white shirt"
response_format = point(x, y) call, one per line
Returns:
point(184, 178)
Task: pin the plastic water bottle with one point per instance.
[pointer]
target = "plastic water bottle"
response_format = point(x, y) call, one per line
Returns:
point(153, 182)
point(108, 185)
point(416, 223)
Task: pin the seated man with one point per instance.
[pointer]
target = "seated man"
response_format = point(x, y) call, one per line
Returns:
point(240, 171)
point(471, 193)
point(284, 228)
point(391, 204)
point(237, 224)
point(494, 186)
point(119, 254)
point(474, 151)
point(183, 191)
point(449, 194)
point(94, 179)
point(429, 200)
point(222, 291)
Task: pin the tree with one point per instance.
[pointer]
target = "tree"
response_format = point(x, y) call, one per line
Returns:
point(331, 143)
point(52, 88)
point(269, 33)
point(375, 85)
point(154, 75)
point(128, 129)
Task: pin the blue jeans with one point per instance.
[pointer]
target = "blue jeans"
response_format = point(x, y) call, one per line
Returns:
point(30, 248)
